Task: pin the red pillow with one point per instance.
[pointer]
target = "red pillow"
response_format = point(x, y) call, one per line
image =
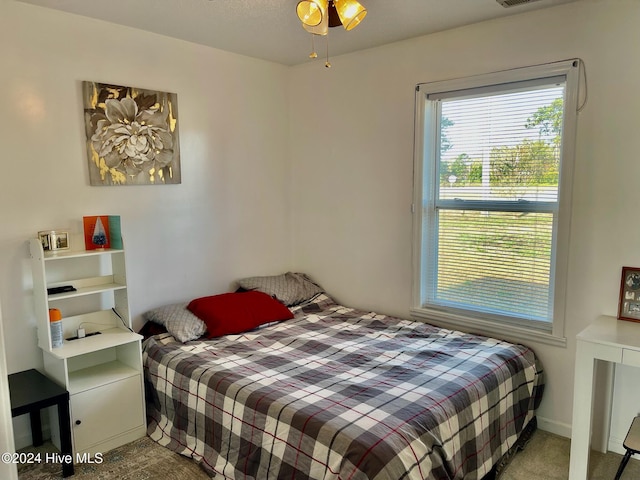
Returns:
point(230, 313)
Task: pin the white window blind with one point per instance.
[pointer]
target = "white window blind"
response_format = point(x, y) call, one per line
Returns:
point(492, 163)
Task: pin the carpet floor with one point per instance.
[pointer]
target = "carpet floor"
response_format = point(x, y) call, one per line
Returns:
point(546, 457)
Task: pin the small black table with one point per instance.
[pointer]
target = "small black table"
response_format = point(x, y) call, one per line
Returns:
point(31, 391)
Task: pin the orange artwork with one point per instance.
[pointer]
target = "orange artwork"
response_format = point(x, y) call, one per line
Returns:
point(96, 232)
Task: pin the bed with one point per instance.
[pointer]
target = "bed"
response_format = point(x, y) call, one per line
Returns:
point(340, 393)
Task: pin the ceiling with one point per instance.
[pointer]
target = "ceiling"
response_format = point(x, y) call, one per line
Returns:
point(270, 29)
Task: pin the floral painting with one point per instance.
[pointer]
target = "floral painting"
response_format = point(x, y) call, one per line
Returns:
point(132, 135)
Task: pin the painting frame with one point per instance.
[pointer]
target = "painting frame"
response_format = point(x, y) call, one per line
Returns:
point(629, 303)
point(132, 135)
point(54, 240)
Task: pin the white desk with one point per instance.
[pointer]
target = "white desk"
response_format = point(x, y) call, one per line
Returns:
point(610, 340)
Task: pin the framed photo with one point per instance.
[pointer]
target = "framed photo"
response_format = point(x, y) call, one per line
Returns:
point(629, 305)
point(53, 240)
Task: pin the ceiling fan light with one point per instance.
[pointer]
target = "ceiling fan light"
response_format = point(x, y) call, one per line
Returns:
point(321, 29)
point(311, 12)
point(350, 12)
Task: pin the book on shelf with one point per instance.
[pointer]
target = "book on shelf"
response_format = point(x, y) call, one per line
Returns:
point(102, 231)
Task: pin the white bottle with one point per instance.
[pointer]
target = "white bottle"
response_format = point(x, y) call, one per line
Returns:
point(55, 321)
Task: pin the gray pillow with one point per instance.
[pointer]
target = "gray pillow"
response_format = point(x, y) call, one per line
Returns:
point(179, 322)
point(290, 288)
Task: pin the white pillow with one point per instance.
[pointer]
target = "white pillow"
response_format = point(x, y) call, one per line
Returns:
point(179, 322)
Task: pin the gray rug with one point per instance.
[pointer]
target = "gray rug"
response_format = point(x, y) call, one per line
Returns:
point(546, 457)
point(142, 459)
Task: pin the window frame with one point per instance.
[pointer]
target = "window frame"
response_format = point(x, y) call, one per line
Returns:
point(425, 168)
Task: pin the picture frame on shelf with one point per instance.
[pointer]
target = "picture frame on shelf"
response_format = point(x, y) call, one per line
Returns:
point(54, 240)
point(629, 304)
point(102, 231)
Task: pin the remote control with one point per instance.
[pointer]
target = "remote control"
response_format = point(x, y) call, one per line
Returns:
point(63, 289)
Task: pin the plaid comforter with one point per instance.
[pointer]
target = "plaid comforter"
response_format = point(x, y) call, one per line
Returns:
point(337, 393)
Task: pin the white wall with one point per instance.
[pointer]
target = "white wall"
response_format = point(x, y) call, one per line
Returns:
point(352, 155)
point(229, 217)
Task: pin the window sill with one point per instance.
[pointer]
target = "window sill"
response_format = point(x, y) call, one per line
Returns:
point(485, 327)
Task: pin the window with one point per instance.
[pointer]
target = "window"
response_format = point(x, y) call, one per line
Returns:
point(493, 186)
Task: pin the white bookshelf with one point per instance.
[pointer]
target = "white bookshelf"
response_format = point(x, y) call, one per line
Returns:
point(102, 371)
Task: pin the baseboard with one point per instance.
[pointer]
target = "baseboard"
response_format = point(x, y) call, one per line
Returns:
point(22, 429)
point(22, 437)
point(555, 427)
point(22, 440)
point(615, 445)
point(564, 430)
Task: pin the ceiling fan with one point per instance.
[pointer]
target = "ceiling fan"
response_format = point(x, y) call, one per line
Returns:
point(317, 16)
